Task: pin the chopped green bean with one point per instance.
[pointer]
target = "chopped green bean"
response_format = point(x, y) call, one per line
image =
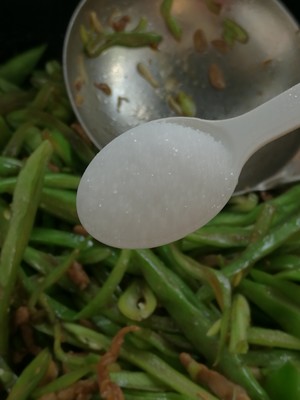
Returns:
point(25, 202)
point(18, 68)
point(30, 377)
point(170, 21)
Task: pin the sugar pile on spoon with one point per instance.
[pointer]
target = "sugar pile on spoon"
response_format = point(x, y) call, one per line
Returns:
point(154, 184)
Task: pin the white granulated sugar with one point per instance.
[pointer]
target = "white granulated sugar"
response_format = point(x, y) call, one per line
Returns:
point(154, 184)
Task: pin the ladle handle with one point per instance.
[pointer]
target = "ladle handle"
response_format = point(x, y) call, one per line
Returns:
point(265, 123)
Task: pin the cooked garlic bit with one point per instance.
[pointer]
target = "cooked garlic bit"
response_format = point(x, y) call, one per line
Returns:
point(95, 22)
point(216, 77)
point(200, 41)
point(104, 87)
point(147, 75)
point(220, 45)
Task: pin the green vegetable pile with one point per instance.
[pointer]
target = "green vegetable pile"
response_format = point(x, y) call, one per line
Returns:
point(213, 316)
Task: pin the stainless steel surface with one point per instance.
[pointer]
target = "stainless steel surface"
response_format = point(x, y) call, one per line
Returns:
point(250, 81)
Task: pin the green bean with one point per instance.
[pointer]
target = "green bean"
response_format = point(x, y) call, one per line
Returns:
point(259, 249)
point(243, 203)
point(160, 370)
point(13, 147)
point(166, 254)
point(288, 289)
point(52, 180)
point(263, 222)
point(281, 262)
point(72, 361)
point(43, 119)
point(225, 237)
point(88, 337)
point(9, 166)
point(217, 281)
point(40, 261)
point(159, 343)
point(95, 254)
point(18, 68)
point(292, 274)
point(43, 96)
point(286, 201)
point(14, 100)
point(59, 310)
point(240, 322)
point(149, 362)
point(266, 358)
point(285, 312)
point(106, 291)
point(137, 302)
point(5, 133)
point(137, 381)
point(128, 39)
point(136, 395)
point(61, 146)
point(232, 32)
point(272, 338)
point(172, 24)
point(62, 382)
point(6, 86)
point(5, 215)
point(186, 103)
point(55, 275)
point(164, 284)
point(7, 377)
point(58, 238)
point(60, 203)
point(24, 206)
point(30, 377)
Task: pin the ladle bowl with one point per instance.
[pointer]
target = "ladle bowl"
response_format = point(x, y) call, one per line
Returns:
point(254, 72)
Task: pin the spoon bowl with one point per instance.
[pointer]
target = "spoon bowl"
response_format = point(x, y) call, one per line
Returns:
point(255, 72)
point(159, 181)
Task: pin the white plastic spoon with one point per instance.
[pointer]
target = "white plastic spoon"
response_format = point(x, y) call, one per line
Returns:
point(162, 180)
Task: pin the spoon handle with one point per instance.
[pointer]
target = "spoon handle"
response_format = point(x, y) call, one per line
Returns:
point(267, 122)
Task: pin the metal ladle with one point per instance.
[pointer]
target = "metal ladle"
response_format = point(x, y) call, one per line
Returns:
point(254, 72)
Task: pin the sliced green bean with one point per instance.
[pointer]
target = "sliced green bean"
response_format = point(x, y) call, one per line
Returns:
point(137, 302)
point(105, 293)
point(172, 24)
point(52, 180)
point(9, 166)
point(24, 206)
point(240, 323)
point(288, 289)
point(61, 382)
point(14, 100)
point(7, 377)
point(14, 146)
point(225, 237)
point(30, 377)
point(165, 285)
point(5, 133)
point(137, 381)
point(286, 313)
point(18, 68)
point(60, 203)
point(55, 275)
point(58, 238)
point(272, 338)
point(127, 39)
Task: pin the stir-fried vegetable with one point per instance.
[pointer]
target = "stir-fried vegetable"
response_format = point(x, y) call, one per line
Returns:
point(213, 316)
